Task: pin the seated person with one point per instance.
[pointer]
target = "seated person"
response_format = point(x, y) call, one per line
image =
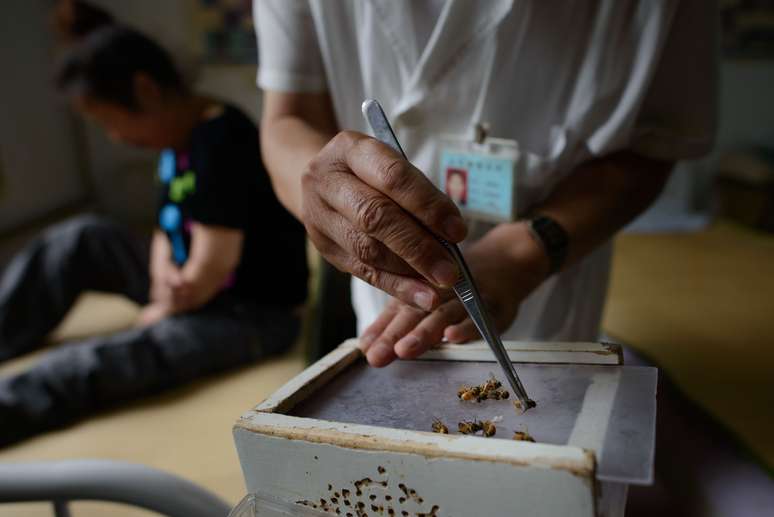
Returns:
point(227, 267)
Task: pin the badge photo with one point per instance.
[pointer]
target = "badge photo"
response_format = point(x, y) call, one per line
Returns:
point(479, 177)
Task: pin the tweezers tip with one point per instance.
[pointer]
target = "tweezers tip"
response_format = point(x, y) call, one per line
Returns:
point(524, 405)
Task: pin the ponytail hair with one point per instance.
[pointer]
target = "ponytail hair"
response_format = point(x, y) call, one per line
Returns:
point(103, 58)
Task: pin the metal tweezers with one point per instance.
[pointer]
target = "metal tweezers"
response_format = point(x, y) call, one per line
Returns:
point(465, 288)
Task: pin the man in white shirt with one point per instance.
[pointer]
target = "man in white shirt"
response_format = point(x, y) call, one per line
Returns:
point(601, 97)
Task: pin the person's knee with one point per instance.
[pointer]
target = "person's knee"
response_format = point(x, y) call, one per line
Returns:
point(87, 224)
point(70, 235)
point(80, 225)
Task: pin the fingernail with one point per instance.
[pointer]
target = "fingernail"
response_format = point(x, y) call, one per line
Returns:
point(379, 355)
point(366, 340)
point(444, 273)
point(455, 228)
point(423, 300)
point(410, 343)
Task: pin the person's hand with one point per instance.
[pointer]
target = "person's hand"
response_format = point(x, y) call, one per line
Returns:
point(151, 314)
point(169, 287)
point(370, 213)
point(507, 265)
point(161, 271)
point(179, 288)
point(159, 291)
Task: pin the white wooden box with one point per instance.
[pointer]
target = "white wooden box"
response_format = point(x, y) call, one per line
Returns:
point(353, 469)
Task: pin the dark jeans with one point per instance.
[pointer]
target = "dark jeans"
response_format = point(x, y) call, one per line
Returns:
point(73, 380)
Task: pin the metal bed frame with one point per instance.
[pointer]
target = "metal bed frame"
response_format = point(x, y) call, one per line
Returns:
point(113, 481)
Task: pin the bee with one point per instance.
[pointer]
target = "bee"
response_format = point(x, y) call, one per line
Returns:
point(488, 427)
point(438, 427)
point(471, 393)
point(523, 436)
point(491, 389)
point(469, 426)
point(491, 384)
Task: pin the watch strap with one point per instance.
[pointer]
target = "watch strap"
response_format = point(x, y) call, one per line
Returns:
point(553, 238)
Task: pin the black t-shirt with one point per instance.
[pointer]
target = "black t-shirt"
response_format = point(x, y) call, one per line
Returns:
point(220, 180)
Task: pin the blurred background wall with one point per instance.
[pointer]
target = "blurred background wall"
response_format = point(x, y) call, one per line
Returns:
point(745, 121)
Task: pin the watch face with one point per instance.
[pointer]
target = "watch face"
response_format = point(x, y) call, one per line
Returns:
point(554, 240)
point(554, 234)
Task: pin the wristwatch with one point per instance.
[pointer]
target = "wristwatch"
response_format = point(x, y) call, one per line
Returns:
point(552, 237)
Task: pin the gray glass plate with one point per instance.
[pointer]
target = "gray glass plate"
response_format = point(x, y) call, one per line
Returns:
point(608, 409)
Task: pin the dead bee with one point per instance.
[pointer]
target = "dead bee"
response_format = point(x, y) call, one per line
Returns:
point(491, 384)
point(472, 393)
point(491, 389)
point(438, 427)
point(469, 395)
point(488, 427)
point(469, 426)
point(523, 436)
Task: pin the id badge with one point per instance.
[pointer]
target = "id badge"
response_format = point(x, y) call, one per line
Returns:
point(480, 177)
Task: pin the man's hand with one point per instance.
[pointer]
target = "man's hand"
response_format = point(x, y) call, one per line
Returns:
point(507, 265)
point(371, 213)
point(365, 208)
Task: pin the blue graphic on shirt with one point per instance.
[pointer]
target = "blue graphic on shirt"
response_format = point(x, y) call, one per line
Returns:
point(167, 166)
point(171, 221)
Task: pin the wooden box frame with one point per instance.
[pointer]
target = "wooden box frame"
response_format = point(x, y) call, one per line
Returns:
point(356, 470)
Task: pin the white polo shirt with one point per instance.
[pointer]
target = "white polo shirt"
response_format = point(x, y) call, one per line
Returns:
point(569, 81)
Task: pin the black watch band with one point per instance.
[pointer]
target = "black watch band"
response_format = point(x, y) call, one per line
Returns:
point(553, 238)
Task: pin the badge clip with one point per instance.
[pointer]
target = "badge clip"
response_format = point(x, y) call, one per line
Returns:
point(480, 132)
